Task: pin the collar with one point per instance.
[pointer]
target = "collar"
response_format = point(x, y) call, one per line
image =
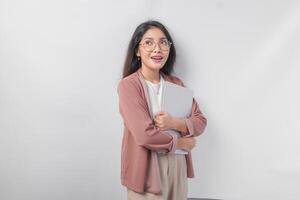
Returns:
point(139, 71)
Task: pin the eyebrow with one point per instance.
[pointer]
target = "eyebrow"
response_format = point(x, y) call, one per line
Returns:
point(153, 38)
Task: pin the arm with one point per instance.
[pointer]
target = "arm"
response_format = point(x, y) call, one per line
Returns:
point(180, 125)
point(194, 125)
point(134, 112)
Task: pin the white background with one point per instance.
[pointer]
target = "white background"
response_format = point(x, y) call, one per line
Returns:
point(60, 63)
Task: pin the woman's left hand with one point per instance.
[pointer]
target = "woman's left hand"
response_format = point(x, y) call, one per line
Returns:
point(163, 120)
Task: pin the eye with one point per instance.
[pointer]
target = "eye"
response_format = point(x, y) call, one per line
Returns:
point(164, 42)
point(149, 42)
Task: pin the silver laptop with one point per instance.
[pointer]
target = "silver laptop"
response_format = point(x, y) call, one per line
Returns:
point(177, 101)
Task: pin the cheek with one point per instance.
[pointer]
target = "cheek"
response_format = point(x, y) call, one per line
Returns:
point(167, 54)
point(166, 57)
point(144, 54)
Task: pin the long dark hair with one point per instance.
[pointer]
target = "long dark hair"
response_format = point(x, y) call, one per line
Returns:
point(132, 64)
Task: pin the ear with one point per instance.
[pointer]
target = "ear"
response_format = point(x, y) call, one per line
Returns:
point(138, 53)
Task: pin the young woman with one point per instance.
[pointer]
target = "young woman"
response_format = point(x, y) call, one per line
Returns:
point(150, 169)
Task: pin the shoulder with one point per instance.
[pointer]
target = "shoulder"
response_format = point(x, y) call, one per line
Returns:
point(129, 83)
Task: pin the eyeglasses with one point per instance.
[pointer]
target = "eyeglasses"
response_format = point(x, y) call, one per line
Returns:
point(150, 45)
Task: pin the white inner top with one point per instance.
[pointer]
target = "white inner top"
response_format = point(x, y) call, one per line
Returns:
point(155, 94)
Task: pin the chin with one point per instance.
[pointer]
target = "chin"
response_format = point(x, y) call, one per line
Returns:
point(156, 67)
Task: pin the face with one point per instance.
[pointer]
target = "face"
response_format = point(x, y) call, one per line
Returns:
point(156, 58)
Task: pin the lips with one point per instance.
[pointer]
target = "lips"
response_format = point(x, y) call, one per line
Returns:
point(156, 58)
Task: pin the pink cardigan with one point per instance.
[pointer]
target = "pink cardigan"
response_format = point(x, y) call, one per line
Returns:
point(141, 139)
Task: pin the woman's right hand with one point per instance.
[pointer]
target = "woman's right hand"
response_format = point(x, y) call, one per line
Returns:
point(186, 144)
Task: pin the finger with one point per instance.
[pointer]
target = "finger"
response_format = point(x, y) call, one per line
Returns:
point(160, 113)
point(156, 119)
point(164, 113)
point(156, 122)
point(160, 125)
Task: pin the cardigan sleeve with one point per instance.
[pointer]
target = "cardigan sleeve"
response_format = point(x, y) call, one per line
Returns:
point(196, 122)
point(134, 111)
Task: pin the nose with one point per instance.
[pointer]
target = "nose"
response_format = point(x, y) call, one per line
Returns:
point(157, 48)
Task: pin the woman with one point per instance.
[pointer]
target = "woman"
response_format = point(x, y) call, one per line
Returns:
point(150, 169)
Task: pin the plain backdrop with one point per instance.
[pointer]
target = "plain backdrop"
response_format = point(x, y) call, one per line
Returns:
point(61, 61)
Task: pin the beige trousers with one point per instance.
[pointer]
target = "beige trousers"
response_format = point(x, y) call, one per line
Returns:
point(173, 173)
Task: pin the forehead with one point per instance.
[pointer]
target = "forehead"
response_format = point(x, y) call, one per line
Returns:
point(154, 33)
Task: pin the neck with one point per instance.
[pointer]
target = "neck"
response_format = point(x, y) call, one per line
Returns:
point(151, 75)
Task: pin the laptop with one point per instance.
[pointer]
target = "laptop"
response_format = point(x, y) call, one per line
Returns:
point(177, 101)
